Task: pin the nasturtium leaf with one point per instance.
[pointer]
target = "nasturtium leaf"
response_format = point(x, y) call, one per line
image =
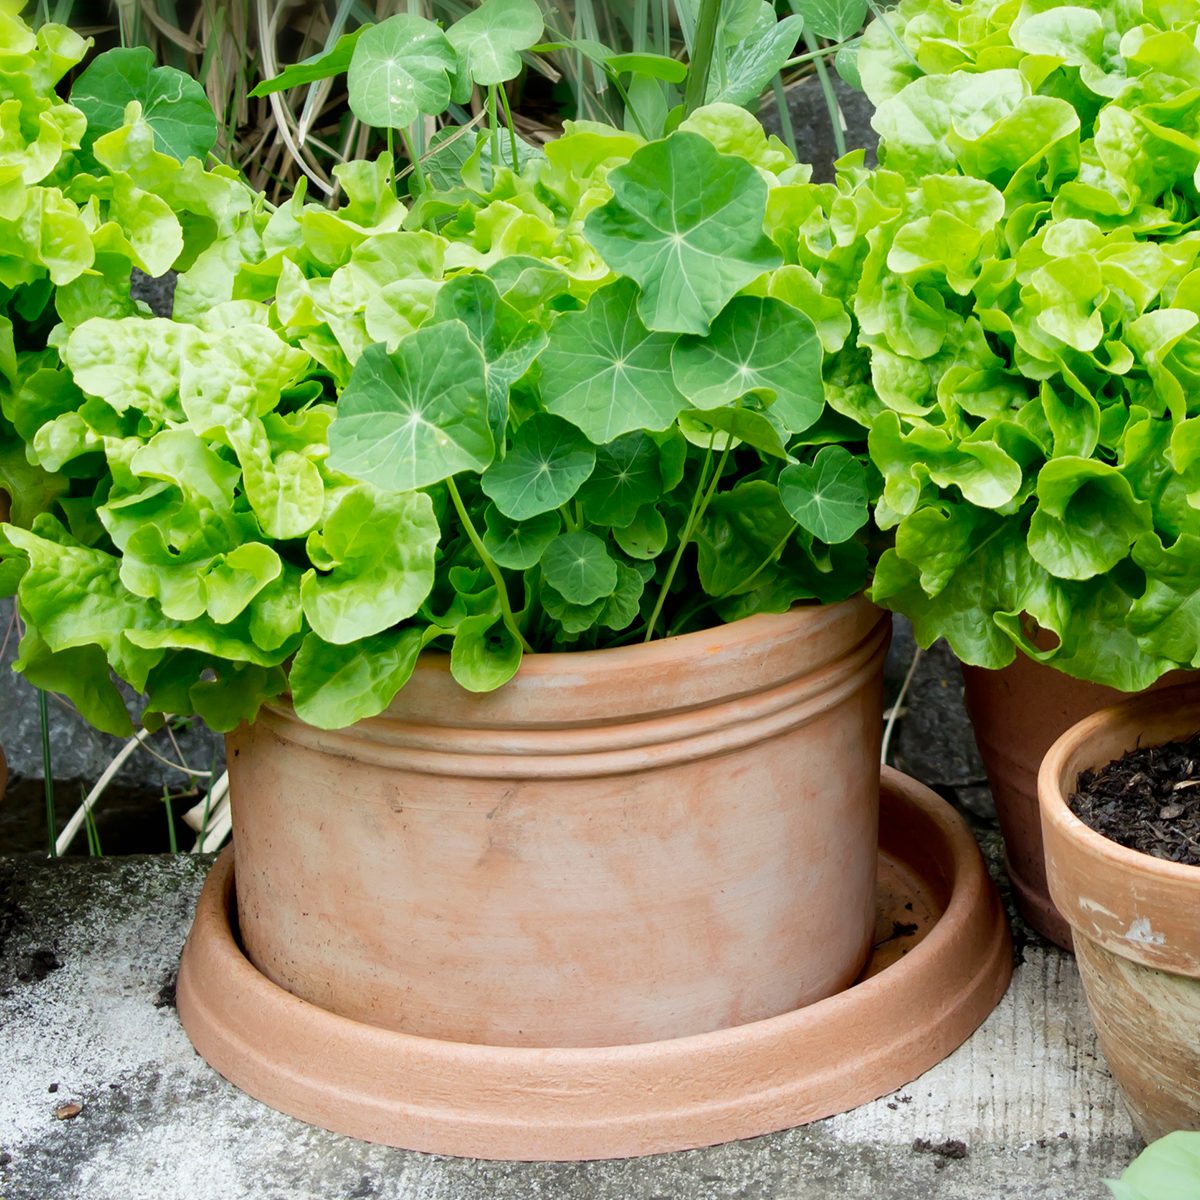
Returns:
point(645, 537)
point(335, 686)
point(761, 345)
point(546, 465)
point(834, 20)
point(574, 618)
point(173, 104)
point(627, 476)
point(490, 39)
point(754, 61)
point(413, 418)
point(508, 341)
point(518, 545)
point(735, 424)
point(485, 655)
point(605, 372)
point(686, 223)
point(381, 548)
point(1087, 518)
point(829, 497)
point(400, 70)
point(743, 531)
point(622, 607)
point(326, 65)
point(579, 568)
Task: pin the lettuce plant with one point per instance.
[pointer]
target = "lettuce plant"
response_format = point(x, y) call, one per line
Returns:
point(598, 397)
point(1034, 351)
point(1167, 1170)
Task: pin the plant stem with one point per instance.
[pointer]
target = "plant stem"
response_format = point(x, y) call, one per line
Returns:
point(700, 502)
point(785, 115)
point(494, 125)
point(512, 128)
point(48, 776)
point(619, 88)
point(831, 102)
point(820, 52)
point(414, 158)
point(506, 611)
point(703, 54)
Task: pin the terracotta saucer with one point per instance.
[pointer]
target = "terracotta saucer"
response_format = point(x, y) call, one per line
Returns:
point(942, 962)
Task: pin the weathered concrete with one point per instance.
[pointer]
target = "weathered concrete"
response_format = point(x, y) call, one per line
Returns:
point(1028, 1097)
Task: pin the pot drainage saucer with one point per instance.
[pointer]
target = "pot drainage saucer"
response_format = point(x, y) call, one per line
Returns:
point(942, 961)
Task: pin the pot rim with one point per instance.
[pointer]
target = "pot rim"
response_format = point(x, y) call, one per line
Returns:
point(665, 651)
point(1053, 788)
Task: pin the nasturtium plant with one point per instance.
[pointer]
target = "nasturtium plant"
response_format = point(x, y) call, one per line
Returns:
point(1029, 306)
point(608, 396)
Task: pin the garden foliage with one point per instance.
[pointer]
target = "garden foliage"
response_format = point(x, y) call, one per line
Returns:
point(568, 405)
point(1035, 356)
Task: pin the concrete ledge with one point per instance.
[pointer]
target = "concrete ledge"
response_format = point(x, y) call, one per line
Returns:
point(1025, 1110)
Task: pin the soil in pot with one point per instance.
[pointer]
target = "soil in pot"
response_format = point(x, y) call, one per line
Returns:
point(1148, 800)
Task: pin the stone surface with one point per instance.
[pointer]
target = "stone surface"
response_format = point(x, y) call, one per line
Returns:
point(1028, 1097)
point(813, 128)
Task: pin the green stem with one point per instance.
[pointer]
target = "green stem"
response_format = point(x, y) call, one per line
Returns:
point(414, 158)
point(700, 503)
point(703, 54)
point(512, 128)
point(506, 611)
point(820, 52)
point(621, 91)
point(785, 115)
point(831, 103)
point(494, 125)
point(48, 775)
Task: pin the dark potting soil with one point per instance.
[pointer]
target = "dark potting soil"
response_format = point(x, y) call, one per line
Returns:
point(1148, 801)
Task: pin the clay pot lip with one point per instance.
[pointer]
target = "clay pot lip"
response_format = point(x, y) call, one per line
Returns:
point(539, 1104)
point(1058, 765)
point(683, 647)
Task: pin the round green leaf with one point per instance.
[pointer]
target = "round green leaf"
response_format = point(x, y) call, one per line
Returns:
point(645, 537)
point(413, 418)
point(685, 222)
point(627, 475)
point(756, 345)
point(579, 568)
point(485, 654)
point(400, 69)
point(835, 20)
point(173, 104)
point(518, 545)
point(490, 39)
point(547, 464)
point(828, 498)
point(605, 372)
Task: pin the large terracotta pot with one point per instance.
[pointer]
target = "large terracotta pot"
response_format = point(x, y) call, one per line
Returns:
point(617, 847)
point(1135, 919)
point(1017, 714)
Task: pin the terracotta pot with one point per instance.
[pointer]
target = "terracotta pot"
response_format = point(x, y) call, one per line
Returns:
point(617, 847)
point(1017, 714)
point(1135, 919)
point(923, 992)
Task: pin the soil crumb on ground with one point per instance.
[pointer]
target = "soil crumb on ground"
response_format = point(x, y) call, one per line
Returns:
point(1148, 801)
point(951, 1150)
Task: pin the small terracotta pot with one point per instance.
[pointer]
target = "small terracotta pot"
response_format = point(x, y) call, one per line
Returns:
point(1135, 919)
point(1017, 714)
point(617, 847)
